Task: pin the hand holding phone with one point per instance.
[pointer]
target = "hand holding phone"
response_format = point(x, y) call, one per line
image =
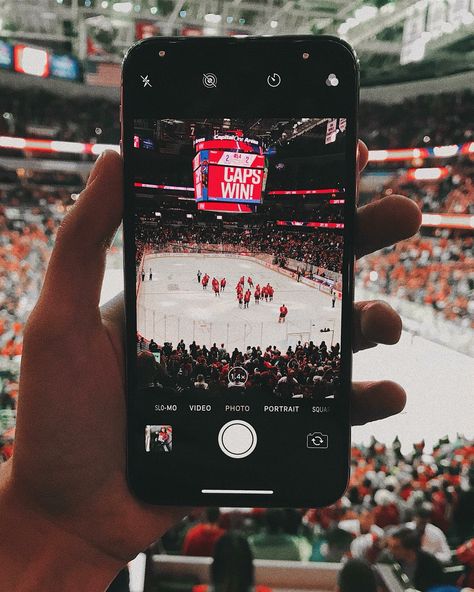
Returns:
point(89, 512)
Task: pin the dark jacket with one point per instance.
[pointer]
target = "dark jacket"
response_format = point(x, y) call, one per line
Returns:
point(428, 572)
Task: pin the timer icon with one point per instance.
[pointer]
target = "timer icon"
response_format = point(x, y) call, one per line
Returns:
point(274, 80)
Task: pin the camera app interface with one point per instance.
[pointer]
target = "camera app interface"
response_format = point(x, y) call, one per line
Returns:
point(239, 236)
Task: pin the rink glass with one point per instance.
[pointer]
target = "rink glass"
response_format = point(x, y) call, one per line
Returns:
point(240, 165)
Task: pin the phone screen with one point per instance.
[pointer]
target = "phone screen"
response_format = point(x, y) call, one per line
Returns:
point(239, 296)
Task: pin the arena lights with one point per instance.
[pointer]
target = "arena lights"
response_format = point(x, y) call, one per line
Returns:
point(123, 7)
point(399, 154)
point(31, 60)
point(304, 192)
point(97, 149)
point(446, 151)
point(428, 174)
point(55, 146)
point(461, 221)
point(361, 15)
point(168, 187)
point(68, 147)
point(392, 155)
point(213, 18)
point(15, 143)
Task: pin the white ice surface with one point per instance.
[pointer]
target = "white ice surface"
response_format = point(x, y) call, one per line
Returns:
point(174, 305)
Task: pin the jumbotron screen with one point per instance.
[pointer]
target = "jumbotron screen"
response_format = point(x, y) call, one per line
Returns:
point(229, 168)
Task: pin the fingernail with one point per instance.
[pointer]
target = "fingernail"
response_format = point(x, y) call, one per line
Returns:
point(96, 168)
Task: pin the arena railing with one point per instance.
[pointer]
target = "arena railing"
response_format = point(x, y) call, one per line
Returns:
point(166, 571)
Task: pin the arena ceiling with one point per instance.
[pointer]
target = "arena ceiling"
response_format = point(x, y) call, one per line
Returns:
point(385, 33)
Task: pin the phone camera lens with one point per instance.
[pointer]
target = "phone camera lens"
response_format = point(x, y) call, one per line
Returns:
point(162, 53)
point(305, 55)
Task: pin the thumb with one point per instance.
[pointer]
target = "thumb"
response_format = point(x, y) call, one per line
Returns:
point(75, 272)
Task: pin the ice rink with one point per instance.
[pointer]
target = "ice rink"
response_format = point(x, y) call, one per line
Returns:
point(174, 306)
point(438, 380)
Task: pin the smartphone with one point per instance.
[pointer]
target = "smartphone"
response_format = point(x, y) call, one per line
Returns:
point(240, 189)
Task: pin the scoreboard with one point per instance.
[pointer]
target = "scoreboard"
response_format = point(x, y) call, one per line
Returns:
point(229, 169)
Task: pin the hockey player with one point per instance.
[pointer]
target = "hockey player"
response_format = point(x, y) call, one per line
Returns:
point(223, 284)
point(247, 296)
point(270, 292)
point(215, 286)
point(205, 281)
point(250, 282)
point(199, 275)
point(257, 294)
point(283, 313)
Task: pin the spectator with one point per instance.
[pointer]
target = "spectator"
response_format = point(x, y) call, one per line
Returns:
point(356, 576)
point(386, 512)
point(465, 554)
point(201, 538)
point(274, 543)
point(367, 533)
point(422, 568)
point(201, 383)
point(232, 567)
point(463, 517)
point(338, 544)
point(433, 539)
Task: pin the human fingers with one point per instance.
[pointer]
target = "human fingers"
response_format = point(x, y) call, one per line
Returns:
point(375, 322)
point(385, 222)
point(371, 401)
point(73, 281)
point(113, 312)
point(362, 156)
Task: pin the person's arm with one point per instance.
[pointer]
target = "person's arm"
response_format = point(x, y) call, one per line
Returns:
point(67, 518)
point(442, 552)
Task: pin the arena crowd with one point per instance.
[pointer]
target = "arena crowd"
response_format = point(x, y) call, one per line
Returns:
point(433, 271)
point(413, 509)
point(318, 248)
point(453, 193)
point(308, 370)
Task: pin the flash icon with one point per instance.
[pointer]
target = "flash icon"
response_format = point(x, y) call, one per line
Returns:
point(146, 81)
